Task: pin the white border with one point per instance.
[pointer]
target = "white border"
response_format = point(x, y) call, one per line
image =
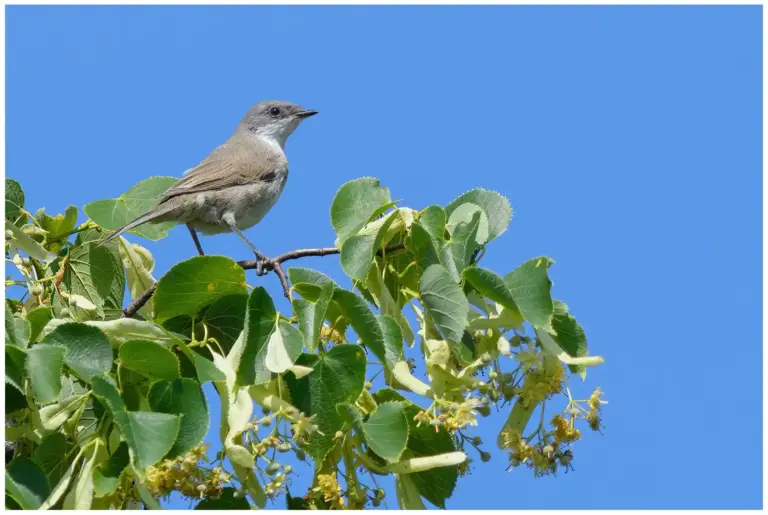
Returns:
point(715, 462)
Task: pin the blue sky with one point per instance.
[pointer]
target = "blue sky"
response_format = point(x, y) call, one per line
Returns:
point(628, 140)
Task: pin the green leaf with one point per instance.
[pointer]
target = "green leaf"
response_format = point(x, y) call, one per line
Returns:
point(380, 289)
point(14, 200)
point(149, 359)
point(463, 241)
point(260, 320)
point(121, 330)
point(195, 283)
point(57, 227)
point(14, 366)
point(225, 501)
point(430, 251)
point(107, 475)
point(435, 485)
point(90, 272)
point(312, 314)
point(492, 286)
point(114, 299)
point(423, 246)
point(433, 219)
point(530, 287)
point(226, 318)
point(386, 431)
point(464, 214)
point(205, 369)
point(26, 483)
point(51, 456)
point(37, 319)
point(370, 328)
point(570, 335)
point(14, 400)
point(447, 306)
point(283, 347)
point(149, 435)
point(307, 282)
point(495, 206)
point(355, 204)
point(112, 214)
point(88, 350)
point(358, 250)
point(43, 367)
point(185, 398)
point(337, 377)
point(12, 335)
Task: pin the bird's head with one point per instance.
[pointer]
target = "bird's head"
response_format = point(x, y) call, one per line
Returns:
point(275, 119)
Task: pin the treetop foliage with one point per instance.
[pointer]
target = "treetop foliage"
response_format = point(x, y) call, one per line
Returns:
point(106, 402)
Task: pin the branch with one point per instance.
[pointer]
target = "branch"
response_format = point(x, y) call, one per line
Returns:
point(270, 265)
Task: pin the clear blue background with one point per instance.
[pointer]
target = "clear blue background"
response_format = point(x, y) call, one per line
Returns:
point(628, 140)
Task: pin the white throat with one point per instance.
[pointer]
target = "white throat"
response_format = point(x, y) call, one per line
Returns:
point(276, 133)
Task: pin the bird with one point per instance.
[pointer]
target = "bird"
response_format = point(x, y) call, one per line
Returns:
point(233, 188)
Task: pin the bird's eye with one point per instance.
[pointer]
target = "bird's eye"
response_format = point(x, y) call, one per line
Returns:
point(274, 111)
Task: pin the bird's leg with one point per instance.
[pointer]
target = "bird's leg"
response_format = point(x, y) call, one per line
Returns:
point(263, 260)
point(196, 240)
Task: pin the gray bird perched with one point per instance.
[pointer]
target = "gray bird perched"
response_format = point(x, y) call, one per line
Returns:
point(238, 183)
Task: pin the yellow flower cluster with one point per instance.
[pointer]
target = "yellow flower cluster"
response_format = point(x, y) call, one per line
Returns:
point(276, 486)
point(542, 459)
point(456, 416)
point(540, 385)
point(326, 334)
point(564, 429)
point(331, 490)
point(185, 474)
point(593, 417)
point(303, 427)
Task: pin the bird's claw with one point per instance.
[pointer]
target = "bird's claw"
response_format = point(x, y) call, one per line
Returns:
point(263, 266)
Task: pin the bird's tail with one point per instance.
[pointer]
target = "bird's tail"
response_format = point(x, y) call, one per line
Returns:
point(146, 217)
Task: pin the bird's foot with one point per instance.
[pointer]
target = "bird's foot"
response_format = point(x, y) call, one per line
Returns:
point(264, 266)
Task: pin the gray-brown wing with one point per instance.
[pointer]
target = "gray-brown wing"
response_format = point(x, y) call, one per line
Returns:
point(232, 164)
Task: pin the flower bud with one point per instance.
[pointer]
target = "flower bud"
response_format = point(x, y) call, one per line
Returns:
point(36, 290)
point(548, 449)
point(8, 235)
point(272, 468)
point(287, 469)
point(64, 313)
point(367, 385)
point(485, 457)
point(484, 410)
point(477, 441)
point(301, 455)
point(284, 447)
point(266, 422)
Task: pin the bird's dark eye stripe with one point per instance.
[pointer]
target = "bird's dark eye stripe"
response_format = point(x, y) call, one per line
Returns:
point(269, 176)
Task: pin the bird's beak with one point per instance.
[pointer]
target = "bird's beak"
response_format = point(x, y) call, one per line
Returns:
point(305, 114)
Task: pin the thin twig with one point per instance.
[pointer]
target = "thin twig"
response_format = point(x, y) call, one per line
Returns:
point(270, 265)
